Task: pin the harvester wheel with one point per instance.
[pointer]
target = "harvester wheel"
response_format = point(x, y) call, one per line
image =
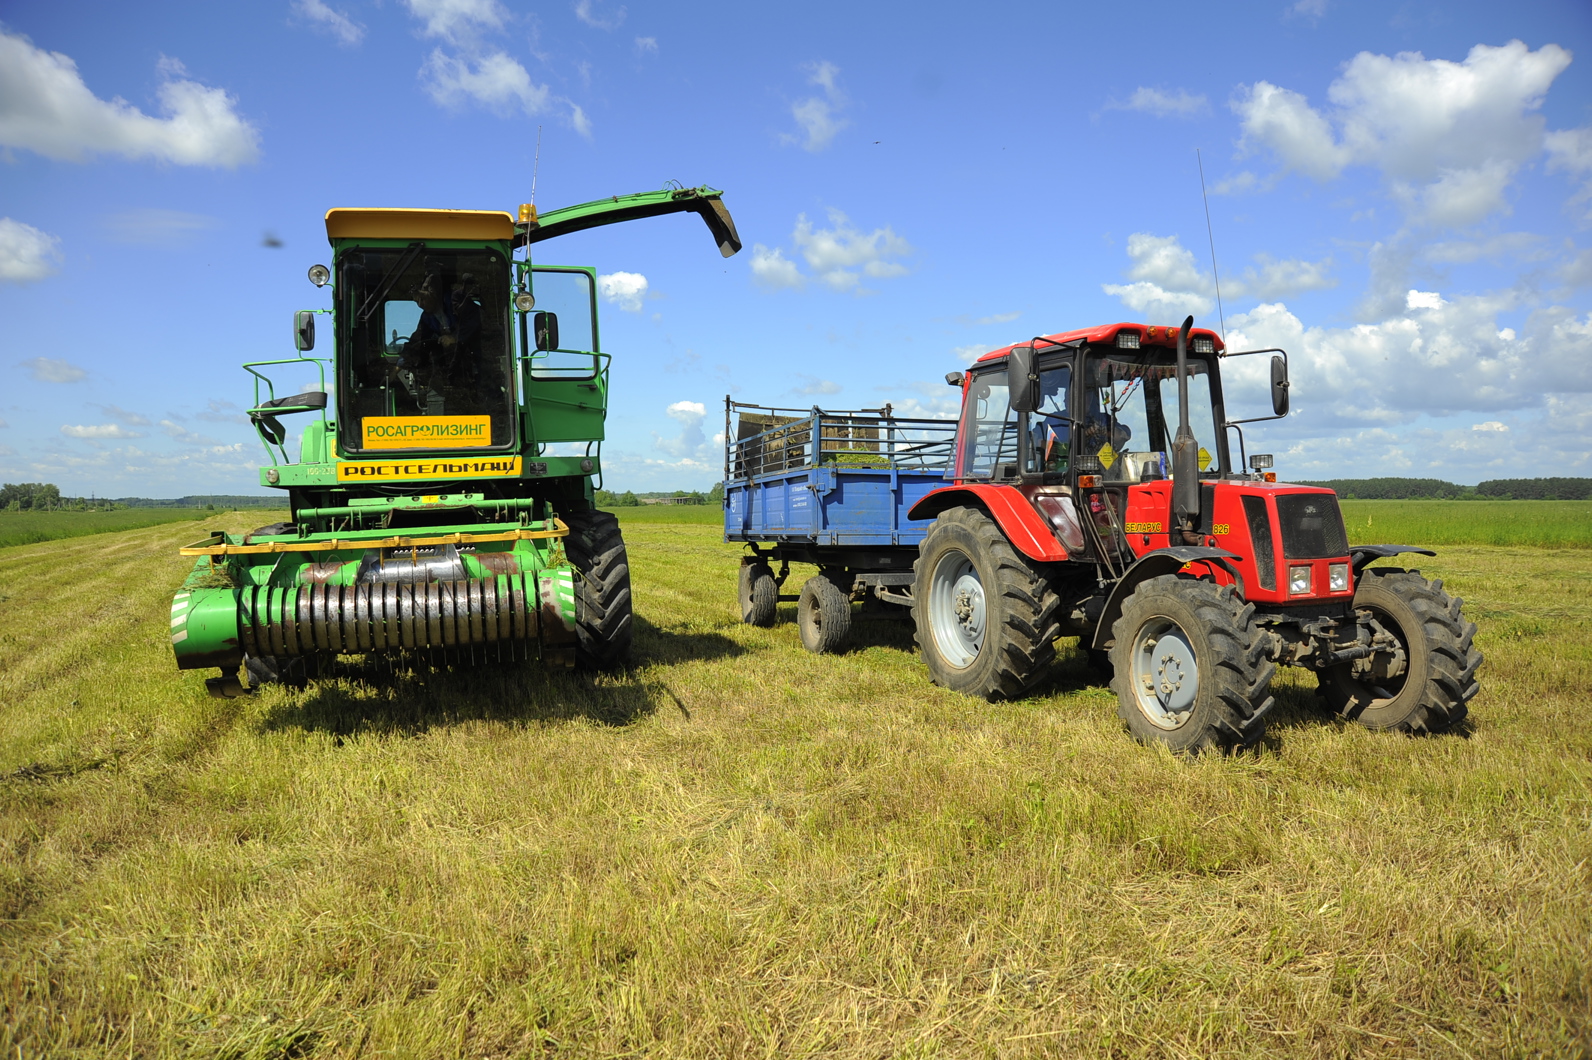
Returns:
point(603, 627)
point(985, 616)
point(1190, 668)
point(759, 594)
point(823, 614)
point(1425, 685)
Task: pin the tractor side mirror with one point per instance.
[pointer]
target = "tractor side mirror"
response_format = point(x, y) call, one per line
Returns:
point(1022, 381)
point(954, 378)
point(1279, 386)
point(304, 330)
point(547, 331)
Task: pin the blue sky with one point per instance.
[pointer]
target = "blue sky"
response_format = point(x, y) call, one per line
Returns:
point(1401, 195)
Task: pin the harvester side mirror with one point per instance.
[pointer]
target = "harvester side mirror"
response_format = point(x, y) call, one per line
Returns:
point(546, 331)
point(1279, 386)
point(304, 330)
point(1022, 380)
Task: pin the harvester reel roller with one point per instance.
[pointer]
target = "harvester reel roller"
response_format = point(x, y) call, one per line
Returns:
point(603, 626)
point(1436, 676)
point(985, 617)
point(1190, 666)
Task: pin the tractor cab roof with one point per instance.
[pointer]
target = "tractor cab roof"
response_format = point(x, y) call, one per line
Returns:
point(347, 223)
point(1107, 335)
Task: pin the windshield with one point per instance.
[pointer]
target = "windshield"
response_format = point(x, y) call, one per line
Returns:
point(426, 361)
point(989, 426)
point(1049, 426)
point(1131, 414)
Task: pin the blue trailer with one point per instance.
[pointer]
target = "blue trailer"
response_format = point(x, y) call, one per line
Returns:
point(831, 489)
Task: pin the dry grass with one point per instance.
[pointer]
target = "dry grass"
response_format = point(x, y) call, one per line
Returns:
point(740, 849)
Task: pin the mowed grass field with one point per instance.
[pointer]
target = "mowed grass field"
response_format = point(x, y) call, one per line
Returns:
point(739, 849)
point(26, 528)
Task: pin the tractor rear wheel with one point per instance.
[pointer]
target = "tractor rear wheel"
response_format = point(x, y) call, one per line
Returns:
point(1190, 666)
point(985, 616)
point(759, 594)
point(823, 614)
point(603, 629)
point(1423, 685)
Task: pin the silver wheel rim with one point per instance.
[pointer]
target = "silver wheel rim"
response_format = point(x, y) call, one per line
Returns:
point(956, 610)
point(1166, 677)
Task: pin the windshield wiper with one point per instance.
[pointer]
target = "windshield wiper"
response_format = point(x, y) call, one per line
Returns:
point(388, 278)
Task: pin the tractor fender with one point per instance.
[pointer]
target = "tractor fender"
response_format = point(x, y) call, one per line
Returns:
point(1152, 565)
point(1363, 556)
point(1024, 527)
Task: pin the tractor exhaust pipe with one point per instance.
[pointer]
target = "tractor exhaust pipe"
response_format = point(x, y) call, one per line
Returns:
point(1185, 450)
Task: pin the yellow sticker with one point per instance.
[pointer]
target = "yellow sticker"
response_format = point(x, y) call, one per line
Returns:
point(403, 470)
point(1205, 459)
point(1108, 456)
point(425, 432)
point(430, 498)
point(1221, 528)
point(1142, 528)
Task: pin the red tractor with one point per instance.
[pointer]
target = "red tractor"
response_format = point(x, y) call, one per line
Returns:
point(1096, 496)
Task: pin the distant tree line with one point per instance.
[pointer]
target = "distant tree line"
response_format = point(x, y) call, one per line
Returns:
point(46, 497)
point(629, 499)
point(1401, 489)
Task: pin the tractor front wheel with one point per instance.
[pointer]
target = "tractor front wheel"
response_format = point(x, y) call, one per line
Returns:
point(1189, 666)
point(596, 550)
point(1424, 683)
point(985, 616)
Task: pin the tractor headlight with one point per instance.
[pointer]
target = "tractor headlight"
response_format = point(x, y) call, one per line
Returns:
point(1298, 581)
point(320, 275)
point(1338, 577)
point(1204, 346)
point(525, 301)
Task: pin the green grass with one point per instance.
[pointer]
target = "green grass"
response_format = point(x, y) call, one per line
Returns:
point(26, 528)
point(691, 514)
point(1529, 524)
point(739, 849)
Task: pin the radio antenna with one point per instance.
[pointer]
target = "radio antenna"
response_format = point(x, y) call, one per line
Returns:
point(537, 164)
point(1209, 233)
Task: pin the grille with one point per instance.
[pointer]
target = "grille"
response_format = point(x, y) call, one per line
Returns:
point(1312, 526)
point(1259, 521)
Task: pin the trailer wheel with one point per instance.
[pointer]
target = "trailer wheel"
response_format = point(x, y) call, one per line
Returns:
point(1423, 686)
point(1190, 666)
point(823, 614)
point(759, 595)
point(596, 550)
point(985, 616)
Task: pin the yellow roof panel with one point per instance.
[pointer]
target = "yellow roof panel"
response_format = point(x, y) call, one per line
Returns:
point(418, 224)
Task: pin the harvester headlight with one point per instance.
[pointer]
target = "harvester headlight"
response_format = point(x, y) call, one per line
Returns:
point(1338, 577)
point(1127, 340)
point(525, 301)
point(1298, 580)
point(586, 465)
point(1204, 346)
point(320, 275)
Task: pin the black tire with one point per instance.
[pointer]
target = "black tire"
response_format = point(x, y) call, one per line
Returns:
point(823, 614)
point(759, 595)
point(603, 627)
point(985, 617)
point(1438, 675)
point(1172, 628)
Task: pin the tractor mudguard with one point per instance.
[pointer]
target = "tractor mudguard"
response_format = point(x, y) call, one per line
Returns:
point(1153, 565)
point(1024, 527)
point(1363, 555)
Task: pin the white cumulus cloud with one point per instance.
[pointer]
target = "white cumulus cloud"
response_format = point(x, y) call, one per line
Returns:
point(51, 370)
point(1163, 104)
point(1168, 283)
point(1448, 137)
point(45, 107)
point(624, 289)
point(329, 20)
point(458, 21)
point(771, 269)
point(818, 116)
point(99, 430)
point(494, 80)
point(1570, 150)
point(841, 255)
point(26, 254)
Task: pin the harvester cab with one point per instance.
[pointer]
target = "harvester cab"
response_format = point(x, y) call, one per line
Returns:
point(1097, 496)
point(442, 494)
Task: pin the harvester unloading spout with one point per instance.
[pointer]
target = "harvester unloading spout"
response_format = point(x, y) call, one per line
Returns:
point(442, 501)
